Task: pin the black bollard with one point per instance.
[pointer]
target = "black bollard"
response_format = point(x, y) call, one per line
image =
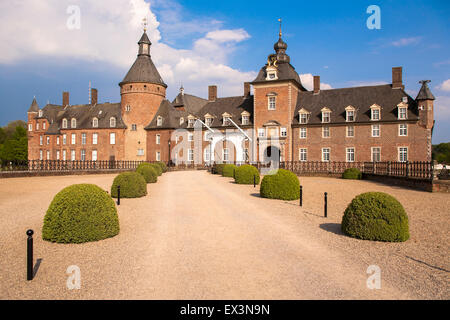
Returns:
point(326, 205)
point(234, 174)
point(254, 181)
point(118, 195)
point(30, 255)
point(301, 196)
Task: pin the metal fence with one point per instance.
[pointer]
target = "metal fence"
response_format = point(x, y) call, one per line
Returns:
point(61, 165)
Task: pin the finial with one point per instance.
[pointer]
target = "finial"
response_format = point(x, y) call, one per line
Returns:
point(424, 81)
point(280, 21)
point(144, 24)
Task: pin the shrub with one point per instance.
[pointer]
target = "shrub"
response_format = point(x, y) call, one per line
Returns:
point(352, 173)
point(132, 185)
point(149, 173)
point(246, 174)
point(376, 216)
point(158, 168)
point(283, 185)
point(218, 168)
point(81, 213)
point(228, 170)
point(163, 166)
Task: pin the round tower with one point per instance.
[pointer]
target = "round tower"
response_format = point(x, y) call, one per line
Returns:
point(142, 91)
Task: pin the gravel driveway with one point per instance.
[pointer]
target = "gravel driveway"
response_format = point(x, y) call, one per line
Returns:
point(199, 236)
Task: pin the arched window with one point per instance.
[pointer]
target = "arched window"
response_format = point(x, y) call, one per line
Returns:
point(64, 124)
point(73, 123)
point(95, 123)
point(112, 122)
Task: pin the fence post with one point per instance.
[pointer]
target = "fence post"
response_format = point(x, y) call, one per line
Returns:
point(407, 169)
point(326, 205)
point(30, 255)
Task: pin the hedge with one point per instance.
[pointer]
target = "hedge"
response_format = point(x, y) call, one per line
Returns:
point(132, 185)
point(218, 168)
point(81, 213)
point(228, 170)
point(352, 173)
point(376, 216)
point(283, 185)
point(163, 166)
point(247, 174)
point(149, 173)
point(157, 167)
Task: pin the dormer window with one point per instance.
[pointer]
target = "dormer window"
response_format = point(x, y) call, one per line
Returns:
point(326, 115)
point(40, 113)
point(191, 121)
point(64, 124)
point(226, 119)
point(95, 123)
point(350, 114)
point(402, 113)
point(159, 121)
point(181, 121)
point(375, 113)
point(73, 123)
point(303, 116)
point(272, 75)
point(112, 122)
point(208, 121)
point(245, 118)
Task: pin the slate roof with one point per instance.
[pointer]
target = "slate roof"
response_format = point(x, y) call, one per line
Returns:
point(425, 92)
point(361, 98)
point(170, 116)
point(34, 106)
point(84, 115)
point(285, 72)
point(143, 70)
point(189, 102)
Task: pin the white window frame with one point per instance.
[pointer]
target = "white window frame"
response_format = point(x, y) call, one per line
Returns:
point(326, 129)
point(41, 155)
point(58, 155)
point(190, 155)
point(94, 155)
point(190, 137)
point(44, 125)
point(206, 155)
point(112, 138)
point(158, 155)
point(64, 123)
point(373, 131)
point(350, 154)
point(350, 116)
point(305, 131)
point(401, 156)
point(41, 140)
point(57, 140)
point(64, 155)
point(372, 153)
point(272, 103)
point(158, 139)
point(64, 139)
point(208, 121)
point(225, 154)
point(48, 155)
point(245, 120)
point(134, 127)
point(403, 130)
point(47, 140)
point(326, 116)
point(83, 154)
point(372, 114)
point(95, 123)
point(73, 123)
point(73, 140)
point(159, 121)
point(225, 121)
point(402, 113)
point(141, 152)
point(30, 127)
point(303, 154)
point(347, 131)
point(191, 122)
point(73, 155)
point(283, 132)
point(261, 133)
point(83, 138)
point(323, 154)
point(95, 138)
point(303, 118)
point(112, 122)
point(37, 126)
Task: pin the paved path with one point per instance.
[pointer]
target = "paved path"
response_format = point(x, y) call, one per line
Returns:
point(195, 236)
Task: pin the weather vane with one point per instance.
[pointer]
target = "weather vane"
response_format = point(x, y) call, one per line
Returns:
point(144, 24)
point(280, 21)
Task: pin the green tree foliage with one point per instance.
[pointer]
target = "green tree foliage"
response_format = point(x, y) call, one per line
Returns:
point(14, 142)
point(441, 152)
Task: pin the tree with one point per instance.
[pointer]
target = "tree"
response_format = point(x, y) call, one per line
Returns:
point(15, 148)
point(441, 152)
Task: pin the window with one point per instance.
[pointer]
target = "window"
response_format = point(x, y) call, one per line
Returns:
point(41, 157)
point(112, 138)
point(225, 154)
point(226, 121)
point(190, 137)
point(206, 155)
point(303, 118)
point(402, 113)
point(283, 132)
point(133, 127)
point(303, 154)
point(350, 115)
point(48, 140)
point(95, 123)
point(112, 122)
point(325, 154)
point(41, 140)
point(261, 133)
point(83, 138)
point(44, 125)
point(159, 121)
point(141, 152)
point(83, 155)
point(350, 131)
point(326, 117)
point(375, 114)
point(325, 132)
point(72, 155)
point(73, 123)
point(48, 155)
point(64, 139)
point(57, 140)
point(245, 120)
point(30, 127)
point(206, 136)
point(74, 138)
point(272, 76)
point(190, 155)
point(402, 130)
point(158, 156)
point(272, 103)
point(246, 155)
point(375, 130)
point(64, 124)
point(95, 138)
point(40, 113)
point(58, 154)
point(350, 152)
point(303, 133)
point(37, 126)
point(191, 123)
point(181, 121)
point(94, 155)
point(208, 121)
point(158, 139)
point(376, 154)
point(64, 155)
point(128, 108)
point(403, 154)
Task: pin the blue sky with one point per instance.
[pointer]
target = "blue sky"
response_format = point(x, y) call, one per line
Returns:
point(198, 43)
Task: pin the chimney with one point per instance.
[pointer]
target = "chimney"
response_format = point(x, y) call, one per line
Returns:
point(65, 101)
point(316, 84)
point(212, 93)
point(397, 82)
point(246, 89)
point(94, 96)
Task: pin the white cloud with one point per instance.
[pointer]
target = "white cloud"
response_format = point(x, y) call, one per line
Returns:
point(109, 31)
point(406, 41)
point(442, 108)
point(445, 86)
point(308, 82)
point(366, 83)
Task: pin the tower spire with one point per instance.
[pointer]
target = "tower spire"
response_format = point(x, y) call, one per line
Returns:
point(144, 24)
point(280, 21)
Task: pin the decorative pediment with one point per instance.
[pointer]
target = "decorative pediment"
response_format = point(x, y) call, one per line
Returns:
point(271, 123)
point(272, 94)
point(350, 108)
point(402, 105)
point(191, 117)
point(375, 106)
point(226, 115)
point(325, 109)
point(208, 116)
point(245, 114)
point(303, 111)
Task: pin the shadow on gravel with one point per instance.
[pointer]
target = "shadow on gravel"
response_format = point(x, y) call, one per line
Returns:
point(36, 267)
point(256, 195)
point(332, 227)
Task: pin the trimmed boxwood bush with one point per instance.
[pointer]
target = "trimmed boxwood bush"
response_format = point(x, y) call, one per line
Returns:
point(81, 213)
point(228, 170)
point(352, 173)
point(158, 168)
point(163, 166)
point(376, 216)
point(246, 174)
point(283, 185)
point(218, 168)
point(149, 173)
point(132, 185)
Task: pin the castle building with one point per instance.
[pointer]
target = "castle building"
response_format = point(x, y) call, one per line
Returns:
point(281, 120)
